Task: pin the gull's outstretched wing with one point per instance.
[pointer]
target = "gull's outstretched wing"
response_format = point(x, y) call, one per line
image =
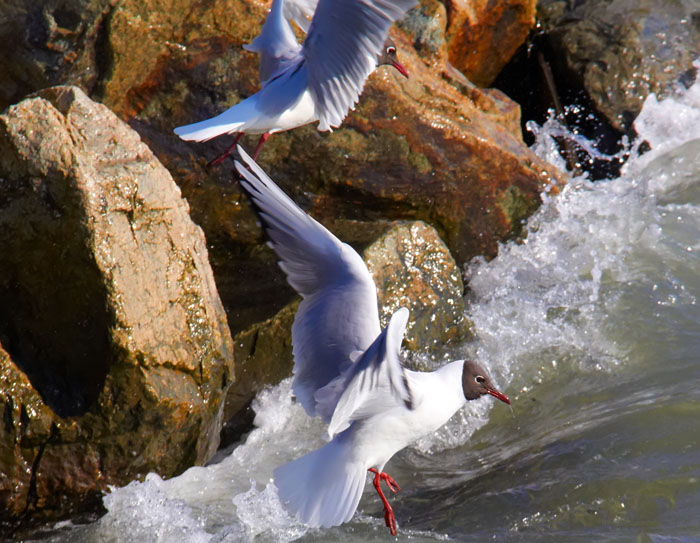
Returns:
point(341, 49)
point(300, 11)
point(376, 382)
point(338, 314)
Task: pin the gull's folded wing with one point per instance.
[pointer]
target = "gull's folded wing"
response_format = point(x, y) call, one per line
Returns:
point(376, 382)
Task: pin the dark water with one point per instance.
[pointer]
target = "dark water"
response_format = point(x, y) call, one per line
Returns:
point(592, 327)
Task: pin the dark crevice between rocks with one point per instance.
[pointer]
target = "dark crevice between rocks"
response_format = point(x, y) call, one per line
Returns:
point(254, 343)
point(242, 269)
point(33, 495)
point(536, 80)
point(67, 362)
point(7, 415)
point(234, 430)
point(27, 518)
point(103, 52)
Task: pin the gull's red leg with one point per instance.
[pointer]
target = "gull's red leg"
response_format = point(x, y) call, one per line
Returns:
point(262, 140)
point(218, 160)
point(389, 517)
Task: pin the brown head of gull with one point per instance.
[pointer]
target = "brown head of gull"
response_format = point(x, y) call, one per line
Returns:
point(389, 57)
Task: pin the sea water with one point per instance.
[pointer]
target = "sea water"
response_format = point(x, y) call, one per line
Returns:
point(591, 325)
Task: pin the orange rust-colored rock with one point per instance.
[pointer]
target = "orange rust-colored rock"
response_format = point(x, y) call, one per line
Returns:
point(482, 35)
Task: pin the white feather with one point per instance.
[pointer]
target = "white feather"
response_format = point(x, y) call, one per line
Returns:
point(323, 487)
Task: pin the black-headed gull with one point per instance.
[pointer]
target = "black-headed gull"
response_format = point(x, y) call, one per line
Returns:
point(317, 81)
point(347, 370)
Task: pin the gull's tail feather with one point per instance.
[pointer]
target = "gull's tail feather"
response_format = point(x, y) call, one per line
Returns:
point(234, 119)
point(322, 488)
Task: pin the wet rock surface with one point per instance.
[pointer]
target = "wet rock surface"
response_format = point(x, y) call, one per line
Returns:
point(116, 351)
point(433, 148)
point(413, 268)
point(621, 51)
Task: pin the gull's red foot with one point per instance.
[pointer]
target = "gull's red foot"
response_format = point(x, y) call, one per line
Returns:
point(389, 517)
point(390, 520)
point(228, 152)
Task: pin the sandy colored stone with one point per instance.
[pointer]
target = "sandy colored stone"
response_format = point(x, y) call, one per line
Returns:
point(413, 268)
point(119, 350)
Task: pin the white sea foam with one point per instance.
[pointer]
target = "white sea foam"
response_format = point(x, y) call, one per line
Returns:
point(548, 300)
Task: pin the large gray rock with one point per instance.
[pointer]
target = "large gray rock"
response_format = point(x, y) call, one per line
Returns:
point(619, 51)
point(117, 353)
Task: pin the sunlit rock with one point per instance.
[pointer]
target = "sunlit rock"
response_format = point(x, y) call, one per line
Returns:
point(413, 268)
point(434, 147)
point(621, 51)
point(483, 35)
point(118, 350)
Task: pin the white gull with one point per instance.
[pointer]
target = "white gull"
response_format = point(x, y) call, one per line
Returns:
point(347, 370)
point(317, 81)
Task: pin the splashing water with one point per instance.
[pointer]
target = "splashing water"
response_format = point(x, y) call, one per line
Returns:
point(590, 324)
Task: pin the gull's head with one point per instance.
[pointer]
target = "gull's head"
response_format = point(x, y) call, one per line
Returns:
point(388, 57)
point(476, 383)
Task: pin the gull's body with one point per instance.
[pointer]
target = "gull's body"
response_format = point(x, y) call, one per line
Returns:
point(283, 104)
point(319, 80)
point(347, 370)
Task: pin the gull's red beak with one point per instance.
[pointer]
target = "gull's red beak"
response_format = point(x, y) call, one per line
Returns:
point(403, 71)
point(496, 394)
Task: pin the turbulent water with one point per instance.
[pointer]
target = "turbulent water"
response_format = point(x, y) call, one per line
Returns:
point(591, 326)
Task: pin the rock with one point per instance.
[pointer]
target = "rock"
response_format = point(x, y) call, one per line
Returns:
point(417, 149)
point(426, 24)
point(483, 35)
point(117, 353)
point(621, 51)
point(411, 267)
point(50, 43)
point(433, 148)
point(263, 356)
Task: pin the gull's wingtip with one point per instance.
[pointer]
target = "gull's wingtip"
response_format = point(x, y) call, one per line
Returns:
point(400, 318)
point(245, 156)
point(241, 168)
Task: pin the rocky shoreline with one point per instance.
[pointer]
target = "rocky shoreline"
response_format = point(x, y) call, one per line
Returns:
point(140, 310)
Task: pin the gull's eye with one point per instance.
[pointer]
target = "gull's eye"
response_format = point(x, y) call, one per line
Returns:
point(390, 50)
point(480, 379)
